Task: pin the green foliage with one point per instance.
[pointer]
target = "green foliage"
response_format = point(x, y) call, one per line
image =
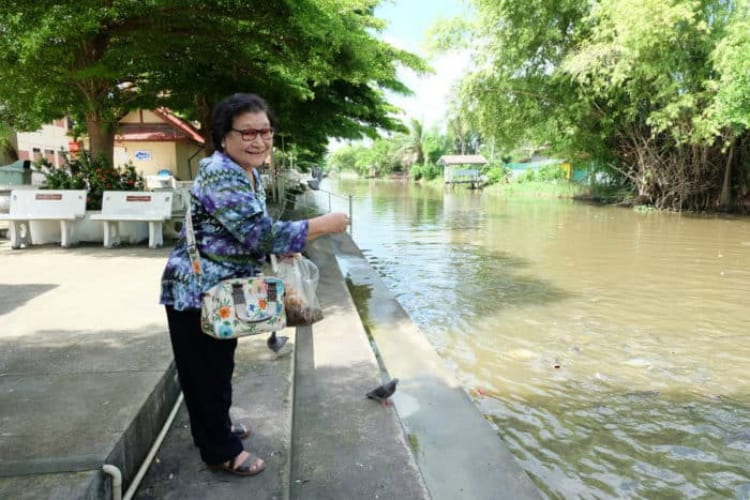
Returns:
point(427, 172)
point(319, 64)
point(659, 90)
point(530, 175)
point(382, 157)
point(413, 142)
point(401, 152)
point(496, 174)
point(551, 172)
point(379, 159)
point(96, 176)
point(435, 145)
point(344, 158)
point(731, 57)
point(8, 143)
point(537, 190)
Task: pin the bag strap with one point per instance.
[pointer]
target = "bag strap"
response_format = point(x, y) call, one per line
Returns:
point(192, 247)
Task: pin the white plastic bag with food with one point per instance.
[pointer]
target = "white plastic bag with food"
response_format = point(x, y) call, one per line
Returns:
point(300, 276)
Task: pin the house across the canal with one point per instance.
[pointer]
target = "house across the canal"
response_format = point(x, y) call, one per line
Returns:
point(462, 169)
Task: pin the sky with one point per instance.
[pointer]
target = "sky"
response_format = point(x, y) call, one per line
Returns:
point(407, 24)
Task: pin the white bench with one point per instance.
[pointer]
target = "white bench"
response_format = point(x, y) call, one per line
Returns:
point(65, 206)
point(134, 206)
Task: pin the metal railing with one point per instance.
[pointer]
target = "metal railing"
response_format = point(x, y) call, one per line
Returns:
point(319, 198)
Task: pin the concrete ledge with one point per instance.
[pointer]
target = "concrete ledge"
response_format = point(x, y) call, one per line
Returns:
point(459, 453)
point(86, 372)
point(62, 486)
point(344, 445)
point(127, 454)
point(262, 400)
point(131, 449)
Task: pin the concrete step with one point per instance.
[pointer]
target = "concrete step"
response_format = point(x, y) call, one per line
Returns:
point(86, 376)
point(321, 437)
point(71, 466)
point(345, 446)
point(262, 400)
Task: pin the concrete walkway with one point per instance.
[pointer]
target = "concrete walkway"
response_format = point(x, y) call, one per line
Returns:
point(86, 378)
point(86, 373)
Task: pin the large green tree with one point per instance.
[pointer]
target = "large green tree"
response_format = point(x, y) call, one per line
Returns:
point(318, 63)
point(655, 90)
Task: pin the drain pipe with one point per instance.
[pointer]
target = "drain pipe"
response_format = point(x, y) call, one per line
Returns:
point(117, 475)
point(116, 480)
point(189, 162)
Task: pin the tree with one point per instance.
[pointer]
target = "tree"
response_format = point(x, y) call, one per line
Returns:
point(653, 59)
point(316, 61)
point(731, 57)
point(344, 158)
point(630, 84)
point(409, 147)
point(8, 139)
point(435, 145)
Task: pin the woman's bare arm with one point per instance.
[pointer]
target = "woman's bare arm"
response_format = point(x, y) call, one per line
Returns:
point(334, 222)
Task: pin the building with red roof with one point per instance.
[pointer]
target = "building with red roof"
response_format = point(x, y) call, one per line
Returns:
point(157, 140)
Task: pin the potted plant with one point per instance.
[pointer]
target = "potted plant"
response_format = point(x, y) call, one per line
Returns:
point(96, 176)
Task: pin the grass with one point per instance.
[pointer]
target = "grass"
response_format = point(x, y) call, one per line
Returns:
point(561, 189)
point(533, 189)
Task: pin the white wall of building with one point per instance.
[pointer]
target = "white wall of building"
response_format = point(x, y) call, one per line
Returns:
point(51, 141)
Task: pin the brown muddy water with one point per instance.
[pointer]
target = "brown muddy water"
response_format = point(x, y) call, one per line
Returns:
point(610, 347)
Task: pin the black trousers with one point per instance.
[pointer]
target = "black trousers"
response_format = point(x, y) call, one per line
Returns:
point(204, 368)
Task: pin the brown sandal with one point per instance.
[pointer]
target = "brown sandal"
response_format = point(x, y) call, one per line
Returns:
point(251, 466)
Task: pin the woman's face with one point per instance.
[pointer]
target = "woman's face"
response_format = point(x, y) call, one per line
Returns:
point(250, 140)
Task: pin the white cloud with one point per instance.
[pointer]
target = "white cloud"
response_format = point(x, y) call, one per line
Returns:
point(429, 103)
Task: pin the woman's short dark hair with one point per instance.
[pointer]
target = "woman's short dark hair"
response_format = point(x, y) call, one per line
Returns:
point(222, 117)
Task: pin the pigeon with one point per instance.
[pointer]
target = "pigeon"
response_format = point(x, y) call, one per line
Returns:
point(276, 343)
point(383, 392)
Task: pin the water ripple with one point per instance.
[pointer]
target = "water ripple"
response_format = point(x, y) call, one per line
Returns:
point(609, 348)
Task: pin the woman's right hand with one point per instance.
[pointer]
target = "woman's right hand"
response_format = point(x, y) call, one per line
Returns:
point(334, 222)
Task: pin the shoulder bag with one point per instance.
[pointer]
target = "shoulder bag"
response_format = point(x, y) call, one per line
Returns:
point(237, 307)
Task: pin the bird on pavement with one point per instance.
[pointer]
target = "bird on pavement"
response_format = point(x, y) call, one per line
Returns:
point(383, 392)
point(275, 343)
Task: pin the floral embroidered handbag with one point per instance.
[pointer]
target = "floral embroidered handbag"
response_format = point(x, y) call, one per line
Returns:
point(237, 307)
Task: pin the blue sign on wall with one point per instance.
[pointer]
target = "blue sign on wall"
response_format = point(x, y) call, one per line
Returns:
point(142, 155)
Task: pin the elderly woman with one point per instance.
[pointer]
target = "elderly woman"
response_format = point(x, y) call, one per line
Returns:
point(234, 236)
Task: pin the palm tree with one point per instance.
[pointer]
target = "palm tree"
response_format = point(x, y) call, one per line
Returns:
point(410, 147)
point(416, 140)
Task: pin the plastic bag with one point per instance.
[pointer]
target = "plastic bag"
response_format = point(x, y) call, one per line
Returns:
point(300, 276)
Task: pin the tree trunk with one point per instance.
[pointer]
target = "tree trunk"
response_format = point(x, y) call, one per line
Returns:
point(101, 138)
point(725, 199)
point(10, 146)
point(204, 117)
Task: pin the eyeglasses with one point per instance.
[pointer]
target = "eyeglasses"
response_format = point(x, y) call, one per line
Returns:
point(250, 134)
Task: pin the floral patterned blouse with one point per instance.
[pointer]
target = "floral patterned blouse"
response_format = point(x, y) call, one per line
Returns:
point(232, 230)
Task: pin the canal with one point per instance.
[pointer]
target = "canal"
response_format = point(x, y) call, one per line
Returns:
point(610, 347)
